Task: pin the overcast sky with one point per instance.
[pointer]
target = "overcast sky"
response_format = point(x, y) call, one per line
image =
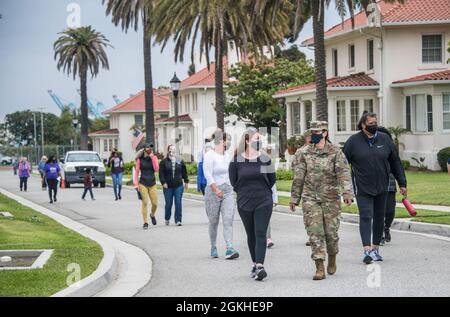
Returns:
point(28, 29)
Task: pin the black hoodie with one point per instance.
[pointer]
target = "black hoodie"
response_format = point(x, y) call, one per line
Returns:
point(371, 163)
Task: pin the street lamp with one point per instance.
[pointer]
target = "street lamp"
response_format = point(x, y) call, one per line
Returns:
point(75, 123)
point(175, 83)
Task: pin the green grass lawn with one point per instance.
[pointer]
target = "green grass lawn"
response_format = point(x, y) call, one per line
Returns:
point(32, 230)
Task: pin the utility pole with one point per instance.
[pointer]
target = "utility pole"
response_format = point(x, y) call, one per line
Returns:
point(41, 109)
point(35, 137)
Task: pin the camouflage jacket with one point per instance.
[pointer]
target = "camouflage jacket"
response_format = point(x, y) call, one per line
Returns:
point(321, 175)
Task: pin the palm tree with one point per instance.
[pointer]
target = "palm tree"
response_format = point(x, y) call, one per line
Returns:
point(79, 50)
point(397, 132)
point(131, 14)
point(217, 23)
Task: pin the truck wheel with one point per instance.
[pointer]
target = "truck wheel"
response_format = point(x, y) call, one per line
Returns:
point(103, 185)
point(67, 185)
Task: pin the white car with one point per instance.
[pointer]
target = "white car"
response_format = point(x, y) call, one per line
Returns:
point(75, 165)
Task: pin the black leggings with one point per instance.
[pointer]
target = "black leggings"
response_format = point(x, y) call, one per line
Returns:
point(256, 222)
point(371, 217)
point(390, 209)
point(52, 188)
point(24, 183)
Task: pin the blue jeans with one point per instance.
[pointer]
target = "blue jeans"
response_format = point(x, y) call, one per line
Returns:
point(171, 194)
point(117, 183)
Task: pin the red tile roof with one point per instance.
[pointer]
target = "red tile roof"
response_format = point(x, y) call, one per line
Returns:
point(182, 118)
point(443, 75)
point(105, 132)
point(355, 80)
point(137, 103)
point(410, 11)
point(204, 77)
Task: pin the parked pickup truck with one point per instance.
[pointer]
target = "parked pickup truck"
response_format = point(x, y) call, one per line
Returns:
point(75, 165)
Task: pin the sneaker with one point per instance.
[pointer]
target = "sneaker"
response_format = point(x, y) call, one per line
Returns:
point(120, 197)
point(387, 234)
point(270, 243)
point(260, 273)
point(51, 201)
point(231, 254)
point(54, 199)
point(84, 199)
point(375, 255)
point(117, 198)
point(167, 222)
point(383, 241)
point(367, 258)
point(179, 224)
point(253, 272)
point(145, 226)
point(153, 220)
point(93, 199)
point(214, 253)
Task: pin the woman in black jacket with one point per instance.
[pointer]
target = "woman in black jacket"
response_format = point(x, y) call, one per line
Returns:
point(252, 177)
point(172, 172)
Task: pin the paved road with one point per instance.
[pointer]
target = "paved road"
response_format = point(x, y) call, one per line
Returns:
point(414, 265)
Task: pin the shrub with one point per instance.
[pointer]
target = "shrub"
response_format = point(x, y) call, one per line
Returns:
point(406, 164)
point(443, 157)
point(191, 169)
point(285, 175)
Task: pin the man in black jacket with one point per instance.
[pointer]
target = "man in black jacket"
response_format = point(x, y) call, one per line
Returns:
point(372, 155)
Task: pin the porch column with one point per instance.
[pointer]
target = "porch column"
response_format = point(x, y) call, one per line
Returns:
point(302, 116)
point(288, 120)
point(314, 110)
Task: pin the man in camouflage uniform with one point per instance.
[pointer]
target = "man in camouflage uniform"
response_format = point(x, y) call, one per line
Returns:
point(321, 174)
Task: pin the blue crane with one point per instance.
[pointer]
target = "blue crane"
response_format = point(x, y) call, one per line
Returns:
point(96, 109)
point(116, 99)
point(59, 102)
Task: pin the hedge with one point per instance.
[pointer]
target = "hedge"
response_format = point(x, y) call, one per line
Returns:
point(443, 157)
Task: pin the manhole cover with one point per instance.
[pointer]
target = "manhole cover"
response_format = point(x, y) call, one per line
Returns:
point(23, 259)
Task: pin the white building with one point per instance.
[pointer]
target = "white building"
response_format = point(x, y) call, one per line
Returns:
point(397, 68)
point(123, 118)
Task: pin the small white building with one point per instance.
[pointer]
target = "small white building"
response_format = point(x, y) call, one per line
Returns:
point(395, 65)
point(123, 118)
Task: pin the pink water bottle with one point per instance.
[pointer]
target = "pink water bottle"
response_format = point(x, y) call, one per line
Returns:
point(409, 207)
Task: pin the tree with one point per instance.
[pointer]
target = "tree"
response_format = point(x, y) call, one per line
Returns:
point(292, 54)
point(397, 133)
point(191, 70)
point(218, 24)
point(79, 51)
point(251, 95)
point(99, 124)
point(131, 14)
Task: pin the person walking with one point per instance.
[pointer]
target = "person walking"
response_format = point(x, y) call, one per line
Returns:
point(52, 172)
point(219, 199)
point(15, 166)
point(145, 181)
point(172, 173)
point(253, 177)
point(88, 184)
point(115, 162)
point(372, 156)
point(24, 173)
point(321, 175)
point(41, 168)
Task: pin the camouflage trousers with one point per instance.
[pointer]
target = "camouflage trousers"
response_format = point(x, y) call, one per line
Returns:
point(322, 221)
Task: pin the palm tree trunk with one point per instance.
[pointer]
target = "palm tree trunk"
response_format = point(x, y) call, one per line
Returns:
point(318, 11)
point(220, 97)
point(84, 109)
point(149, 112)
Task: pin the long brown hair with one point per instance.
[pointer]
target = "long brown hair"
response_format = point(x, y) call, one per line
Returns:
point(247, 136)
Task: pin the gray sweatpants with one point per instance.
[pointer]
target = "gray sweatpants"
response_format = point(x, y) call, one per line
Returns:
point(214, 208)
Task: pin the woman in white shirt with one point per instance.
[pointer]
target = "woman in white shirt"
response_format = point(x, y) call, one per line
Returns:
point(219, 199)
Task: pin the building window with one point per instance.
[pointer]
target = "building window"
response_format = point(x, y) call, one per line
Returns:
point(351, 56)
point(370, 55)
point(446, 111)
point(422, 112)
point(408, 113)
point(335, 62)
point(432, 48)
point(368, 105)
point(139, 120)
point(296, 119)
point(110, 145)
point(116, 143)
point(105, 145)
point(341, 115)
point(354, 113)
point(308, 113)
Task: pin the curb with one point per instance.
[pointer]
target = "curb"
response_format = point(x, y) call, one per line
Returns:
point(124, 270)
point(399, 224)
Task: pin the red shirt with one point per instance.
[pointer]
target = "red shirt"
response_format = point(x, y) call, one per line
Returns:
point(88, 181)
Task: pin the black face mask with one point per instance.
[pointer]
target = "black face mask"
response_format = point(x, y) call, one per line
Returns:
point(372, 129)
point(316, 138)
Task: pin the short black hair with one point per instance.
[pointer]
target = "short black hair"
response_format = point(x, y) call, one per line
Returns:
point(88, 170)
point(366, 115)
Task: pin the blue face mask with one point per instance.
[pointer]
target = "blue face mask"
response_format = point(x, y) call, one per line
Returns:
point(316, 138)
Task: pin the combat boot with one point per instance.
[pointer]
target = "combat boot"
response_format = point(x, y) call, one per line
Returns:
point(331, 268)
point(320, 271)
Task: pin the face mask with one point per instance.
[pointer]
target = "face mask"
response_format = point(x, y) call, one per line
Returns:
point(316, 138)
point(372, 129)
point(256, 145)
point(171, 153)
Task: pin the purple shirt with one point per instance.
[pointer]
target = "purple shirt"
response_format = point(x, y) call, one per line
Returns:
point(24, 169)
point(52, 170)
